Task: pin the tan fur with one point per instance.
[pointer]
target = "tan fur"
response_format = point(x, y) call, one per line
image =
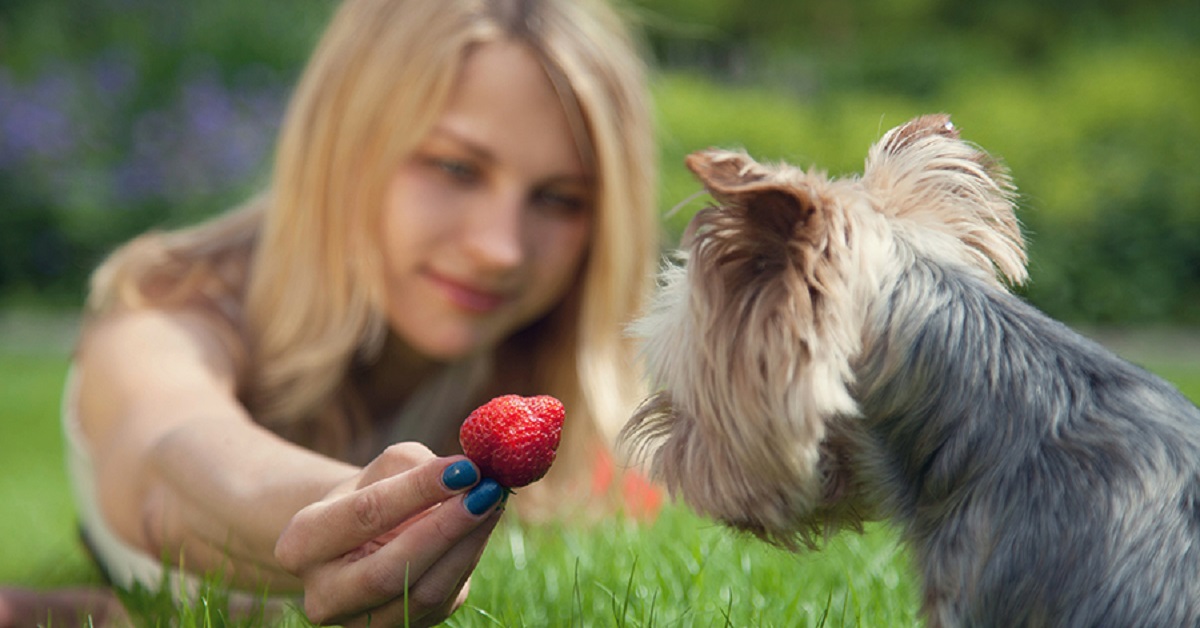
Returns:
point(774, 278)
point(935, 182)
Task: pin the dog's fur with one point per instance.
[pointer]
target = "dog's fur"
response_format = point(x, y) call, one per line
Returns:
point(833, 350)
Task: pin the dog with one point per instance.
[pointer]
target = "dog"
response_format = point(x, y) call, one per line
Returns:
point(826, 351)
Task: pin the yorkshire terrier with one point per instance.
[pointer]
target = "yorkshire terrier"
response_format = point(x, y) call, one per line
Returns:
point(828, 351)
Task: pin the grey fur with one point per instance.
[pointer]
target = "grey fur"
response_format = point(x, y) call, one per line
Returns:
point(1039, 479)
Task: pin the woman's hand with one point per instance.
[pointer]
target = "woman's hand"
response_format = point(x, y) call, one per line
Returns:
point(394, 538)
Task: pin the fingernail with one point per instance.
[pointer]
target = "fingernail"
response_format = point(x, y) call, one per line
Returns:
point(460, 475)
point(483, 496)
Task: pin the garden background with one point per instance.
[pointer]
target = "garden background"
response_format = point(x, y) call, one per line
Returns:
point(122, 115)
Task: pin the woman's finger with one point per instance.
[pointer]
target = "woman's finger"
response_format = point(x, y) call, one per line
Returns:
point(376, 579)
point(440, 590)
point(325, 531)
point(394, 460)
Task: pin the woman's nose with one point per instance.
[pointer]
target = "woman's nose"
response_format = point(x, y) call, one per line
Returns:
point(494, 235)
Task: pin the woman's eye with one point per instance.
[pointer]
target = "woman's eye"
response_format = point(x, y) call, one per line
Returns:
point(457, 170)
point(563, 203)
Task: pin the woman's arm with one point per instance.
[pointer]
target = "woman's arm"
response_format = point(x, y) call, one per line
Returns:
point(182, 471)
point(179, 463)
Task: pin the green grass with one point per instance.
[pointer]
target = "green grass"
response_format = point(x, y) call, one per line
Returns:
point(684, 571)
point(38, 526)
point(678, 570)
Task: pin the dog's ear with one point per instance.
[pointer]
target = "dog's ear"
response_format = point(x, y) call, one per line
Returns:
point(725, 172)
point(767, 197)
point(924, 173)
point(933, 125)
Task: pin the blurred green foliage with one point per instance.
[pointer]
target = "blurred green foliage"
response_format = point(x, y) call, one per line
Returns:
point(120, 115)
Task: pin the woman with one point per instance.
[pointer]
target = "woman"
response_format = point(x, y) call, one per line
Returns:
point(461, 206)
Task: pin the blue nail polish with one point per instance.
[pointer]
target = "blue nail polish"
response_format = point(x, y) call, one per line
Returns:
point(483, 496)
point(460, 475)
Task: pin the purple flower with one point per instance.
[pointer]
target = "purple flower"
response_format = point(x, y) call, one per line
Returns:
point(35, 121)
point(114, 76)
point(74, 134)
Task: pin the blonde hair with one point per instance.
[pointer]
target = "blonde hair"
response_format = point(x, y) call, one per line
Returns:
point(296, 278)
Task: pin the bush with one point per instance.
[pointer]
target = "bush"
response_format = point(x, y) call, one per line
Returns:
point(1101, 144)
point(117, 117)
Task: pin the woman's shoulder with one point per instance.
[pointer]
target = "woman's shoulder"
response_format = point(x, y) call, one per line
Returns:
point(136, 372)
point(128, 345)
point(202, 266)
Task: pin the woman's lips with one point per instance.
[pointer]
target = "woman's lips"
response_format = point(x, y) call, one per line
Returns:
point(466, 297)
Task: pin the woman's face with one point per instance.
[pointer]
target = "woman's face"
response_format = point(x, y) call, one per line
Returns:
point(486, 225)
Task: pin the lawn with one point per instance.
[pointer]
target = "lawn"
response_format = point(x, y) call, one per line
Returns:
point(37, 528)
point(678, 570)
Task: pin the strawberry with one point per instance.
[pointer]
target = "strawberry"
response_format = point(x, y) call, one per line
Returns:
point(513, 439)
